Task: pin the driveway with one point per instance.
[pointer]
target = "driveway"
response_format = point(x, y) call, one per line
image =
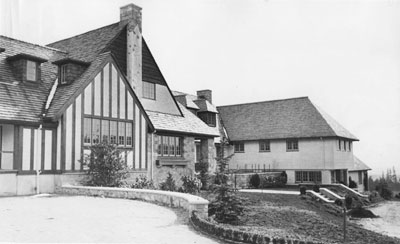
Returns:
point(52, 218)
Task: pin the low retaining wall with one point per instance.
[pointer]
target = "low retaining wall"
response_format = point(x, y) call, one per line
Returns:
point(172, 199)
point(240, 236)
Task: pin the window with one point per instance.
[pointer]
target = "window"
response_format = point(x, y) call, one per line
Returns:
point(208, 118)
point(62, 74)
point(350, 145)
point(360, 179)
point(149, 90)
point(114, 132)
point(264, 146)
point(344, 145)
point(169, 146)
point(31, 70)
point(292, 145)
point(308, 176)
point(239, 147)
point(339, 145)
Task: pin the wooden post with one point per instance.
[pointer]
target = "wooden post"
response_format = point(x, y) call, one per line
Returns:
point(344, 223)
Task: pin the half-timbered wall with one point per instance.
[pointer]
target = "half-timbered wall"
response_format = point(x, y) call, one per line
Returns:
point(104, 111)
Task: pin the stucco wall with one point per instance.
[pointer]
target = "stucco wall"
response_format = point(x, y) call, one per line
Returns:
point(164, 102)
point(312, 154)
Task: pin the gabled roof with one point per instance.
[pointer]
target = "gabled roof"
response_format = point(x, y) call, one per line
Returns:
point(279, 119)
point(359, 165)
point(186, 124)
point(205, 106)
point(194, 102)
point(24, 101)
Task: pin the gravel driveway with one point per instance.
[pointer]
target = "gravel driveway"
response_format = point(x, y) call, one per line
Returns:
point(87, 219)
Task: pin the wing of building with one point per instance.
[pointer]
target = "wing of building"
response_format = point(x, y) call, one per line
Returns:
point(291, 135)
point(104, 85)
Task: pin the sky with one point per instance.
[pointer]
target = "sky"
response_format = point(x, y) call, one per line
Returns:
point(343, 55)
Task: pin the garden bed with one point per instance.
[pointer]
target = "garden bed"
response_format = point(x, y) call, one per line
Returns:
point(300, 217)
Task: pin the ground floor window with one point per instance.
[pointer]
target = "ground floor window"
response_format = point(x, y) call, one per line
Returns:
point(239, 147)
point(112, 131)
point(170, 146)
point(308, 176)
point(360, 181)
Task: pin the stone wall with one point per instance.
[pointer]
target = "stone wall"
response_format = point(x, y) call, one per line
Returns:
point(172, 199)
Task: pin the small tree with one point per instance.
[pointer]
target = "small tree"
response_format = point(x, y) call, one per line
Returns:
point(168, 184)
point(106, 167)
point(227, 206)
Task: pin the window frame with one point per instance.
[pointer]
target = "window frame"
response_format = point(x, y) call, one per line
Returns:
point(147, 88)
point(267, 146)
point(35, 68)
point(304, 176)
point(62, 73)
point(164, 147)
point(238, 147)
point(292, 145)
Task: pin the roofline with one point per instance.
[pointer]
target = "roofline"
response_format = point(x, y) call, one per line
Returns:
point(26, 56)
point(268, 101)
point(185, 133)
point(70, 60)
point(302, 137)
point(80, 34)
point(50, 48)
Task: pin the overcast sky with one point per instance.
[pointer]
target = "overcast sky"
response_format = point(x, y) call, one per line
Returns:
point(344, 55)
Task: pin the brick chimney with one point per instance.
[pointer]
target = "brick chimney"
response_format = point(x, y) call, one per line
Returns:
point(131, 15)
point(206, 94)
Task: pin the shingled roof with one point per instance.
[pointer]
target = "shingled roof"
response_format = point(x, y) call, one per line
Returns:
point(279, 119)
point(188, 123)
point(24, 101)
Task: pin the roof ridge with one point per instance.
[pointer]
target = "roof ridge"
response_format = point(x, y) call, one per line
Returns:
point(34, 44)
point(85, 33)
point(267, 101)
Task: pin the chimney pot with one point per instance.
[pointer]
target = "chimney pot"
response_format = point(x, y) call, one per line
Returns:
point(131, 13)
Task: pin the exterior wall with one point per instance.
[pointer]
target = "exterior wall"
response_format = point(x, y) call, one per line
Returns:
point(163, 103)
point(6, 146)
point(355, 176)
point(313, 154)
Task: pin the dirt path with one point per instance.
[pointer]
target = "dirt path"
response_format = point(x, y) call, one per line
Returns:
point(92, 220)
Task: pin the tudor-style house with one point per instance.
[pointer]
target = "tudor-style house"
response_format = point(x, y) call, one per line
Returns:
point(295, 136)
point(104, 85)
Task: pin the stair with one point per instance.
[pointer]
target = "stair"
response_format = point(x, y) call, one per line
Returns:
point(320, 196)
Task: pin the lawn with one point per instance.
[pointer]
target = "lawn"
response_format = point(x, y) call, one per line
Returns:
point(301, 218)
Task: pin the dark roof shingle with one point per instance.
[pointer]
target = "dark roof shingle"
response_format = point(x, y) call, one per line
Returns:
point(279, 119)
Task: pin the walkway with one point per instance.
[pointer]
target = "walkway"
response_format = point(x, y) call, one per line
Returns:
point(92, 220)
point(270, 191)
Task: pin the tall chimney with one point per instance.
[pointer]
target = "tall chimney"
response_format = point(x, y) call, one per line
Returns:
point(206, 94)
point(131, 15)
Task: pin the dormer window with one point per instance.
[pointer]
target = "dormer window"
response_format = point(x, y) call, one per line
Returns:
point(70, 69)
point(208, 118)
point(31, 70)
point(62, 75)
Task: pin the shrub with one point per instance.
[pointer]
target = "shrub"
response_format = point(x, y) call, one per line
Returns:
point(338, 202)
point(303, 190)
point(142, 182)
point(383, 189)
point(202, 169)
point(255, 181)
point(353, 184)
point(274, 181)
point(316, 188)
point(190, 184)
point(106, 167)
point(348, 200)
point(168, 184)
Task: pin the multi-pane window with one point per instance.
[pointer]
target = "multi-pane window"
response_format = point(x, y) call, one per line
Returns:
point(264, 146)
point(208, 118)
point(239, 147)
point(62, 74)
point(292, 145)
point(114, 132)
point(169, 146)
point(339, 145)
point(149, 90)
point(308, 176)
point(31, 72)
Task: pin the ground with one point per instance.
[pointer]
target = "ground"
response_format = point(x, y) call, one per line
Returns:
point(294, 217)
point(93, 220)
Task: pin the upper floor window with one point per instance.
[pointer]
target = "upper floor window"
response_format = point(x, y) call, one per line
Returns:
point(208, 118)
point(31, 70)
point(239, 147)
point(170, 146)
point(62, 74)
point(264, 146)
point(292, 145)
point(339, 145)
point(149, 90)
point(344, 145)
point(350, 146)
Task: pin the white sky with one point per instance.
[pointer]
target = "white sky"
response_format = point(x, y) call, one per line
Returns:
point(344, 55)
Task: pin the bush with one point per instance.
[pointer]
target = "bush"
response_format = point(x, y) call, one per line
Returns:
point(142, 182)
point(168, 184)
point(106, 167)
point(383, 189)
point(348, 201)
point(255, 181)
point(303, 190)
point(274, 181)
point(202, 169)
point(353, 184)
point(190, 184)
point(316, 188)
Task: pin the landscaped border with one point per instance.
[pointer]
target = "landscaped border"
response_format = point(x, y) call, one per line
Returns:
point(169, 198)
point(237, 235)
